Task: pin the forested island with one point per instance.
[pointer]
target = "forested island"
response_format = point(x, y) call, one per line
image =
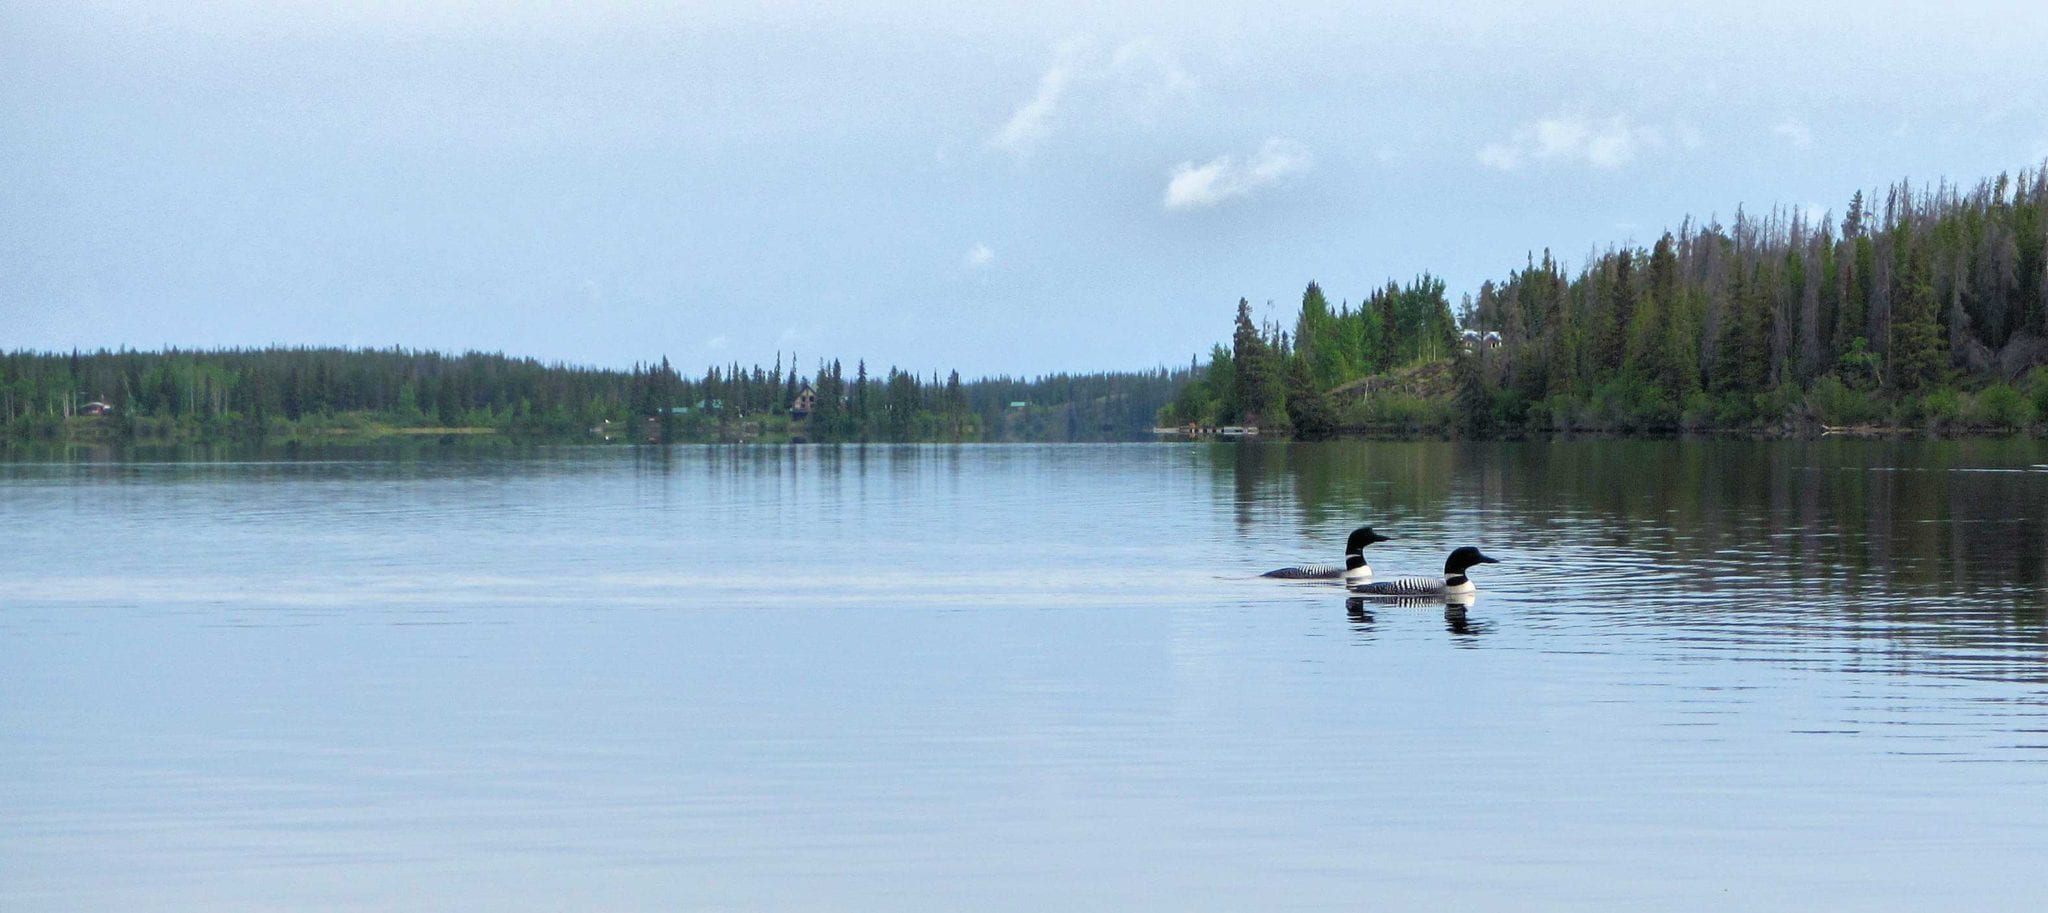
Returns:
point(1922, 309)
point(1925, 308)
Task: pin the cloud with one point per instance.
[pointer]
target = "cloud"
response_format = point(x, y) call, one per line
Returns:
point(718, 342)
point(1032, 122)
point(1141, 73)
point(1194, 186)
point(1794, 132)
point(1605, 143)
point(978, 256)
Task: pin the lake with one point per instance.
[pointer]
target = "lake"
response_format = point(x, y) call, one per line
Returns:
point(1707, 675)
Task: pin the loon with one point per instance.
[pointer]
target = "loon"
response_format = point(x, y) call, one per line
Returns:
point(1454, 585)
point(1355, 570)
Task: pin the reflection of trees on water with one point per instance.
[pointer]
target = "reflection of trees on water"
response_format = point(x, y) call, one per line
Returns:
point(1877, 529)
point(1334, 483)
point(1873, 512)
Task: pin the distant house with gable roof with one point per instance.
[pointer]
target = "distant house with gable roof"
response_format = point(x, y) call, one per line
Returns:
point(806, 400)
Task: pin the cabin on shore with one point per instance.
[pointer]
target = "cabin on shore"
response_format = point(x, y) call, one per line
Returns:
point(1473, 340)
point(96, 407)
point(806, 400)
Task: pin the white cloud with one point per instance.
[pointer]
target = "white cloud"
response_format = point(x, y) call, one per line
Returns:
point(1032, 122)
point(1223, 178)
point(1141, 73)
point(1794, 132)
point(718, 342)
point(1605, 143)
point(978, 256)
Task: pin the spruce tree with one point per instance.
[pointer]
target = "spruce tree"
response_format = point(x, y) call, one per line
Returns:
point(1474, 401)
point(1918, 354)
point(1252, 386)
point(1308, 406)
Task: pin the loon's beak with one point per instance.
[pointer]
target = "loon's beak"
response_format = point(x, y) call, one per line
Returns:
point(1485, 560)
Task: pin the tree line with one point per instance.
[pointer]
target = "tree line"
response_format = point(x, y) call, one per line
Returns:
point(1276, 378)
point(281, 392)
point(1921, 306)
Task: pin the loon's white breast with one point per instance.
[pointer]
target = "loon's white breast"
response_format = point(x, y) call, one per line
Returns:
point(1359, 574)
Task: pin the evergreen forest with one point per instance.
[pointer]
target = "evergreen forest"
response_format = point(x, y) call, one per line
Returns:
point(1922, 307)
point(315, 393)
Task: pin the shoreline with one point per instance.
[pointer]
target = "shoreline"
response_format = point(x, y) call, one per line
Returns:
point(100, 432)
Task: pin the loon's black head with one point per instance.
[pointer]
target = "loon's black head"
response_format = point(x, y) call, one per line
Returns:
point(1362, 537)
point(1464, 558)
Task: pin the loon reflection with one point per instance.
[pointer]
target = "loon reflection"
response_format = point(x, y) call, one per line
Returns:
point(1458, 622)
point(1457, 619)
point(1361, 617)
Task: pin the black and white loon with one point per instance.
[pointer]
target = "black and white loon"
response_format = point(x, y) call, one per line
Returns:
point(1355, 570)
point(1453, 584)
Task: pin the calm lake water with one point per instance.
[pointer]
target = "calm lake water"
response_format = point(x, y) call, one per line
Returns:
point(1706, 676)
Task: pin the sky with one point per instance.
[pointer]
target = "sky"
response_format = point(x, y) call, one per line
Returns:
point(1023, 189)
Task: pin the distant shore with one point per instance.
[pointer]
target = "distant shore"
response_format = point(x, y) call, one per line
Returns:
point(367, 429)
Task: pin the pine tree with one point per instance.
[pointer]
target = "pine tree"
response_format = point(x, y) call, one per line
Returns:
point(1861, 293)
point(1828, 306)
point(1646, 353)
point(789, 391)
point(1308, 405)
point(863, 419)
point(1252, 386)
point(1317, 338)
point(1474, 400)
point(1384, 309)
point(1742, 362)
point(1917, 355)
point(1617, 313)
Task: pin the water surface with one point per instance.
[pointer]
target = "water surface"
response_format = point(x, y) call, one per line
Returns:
point(1707, 676)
